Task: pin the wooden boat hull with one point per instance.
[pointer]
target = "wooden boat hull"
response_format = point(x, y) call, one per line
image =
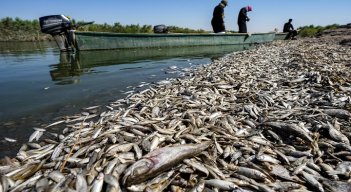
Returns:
point(106, 41)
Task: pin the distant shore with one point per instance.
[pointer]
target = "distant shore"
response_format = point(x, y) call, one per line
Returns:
point(23, 36)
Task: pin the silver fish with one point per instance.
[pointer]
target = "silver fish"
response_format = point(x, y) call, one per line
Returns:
point(161, 160)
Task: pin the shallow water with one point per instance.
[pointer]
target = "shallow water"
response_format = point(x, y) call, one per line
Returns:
point(38, 84)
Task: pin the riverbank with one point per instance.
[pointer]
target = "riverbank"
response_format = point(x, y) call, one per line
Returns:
point(23, 36)
point(275, 118)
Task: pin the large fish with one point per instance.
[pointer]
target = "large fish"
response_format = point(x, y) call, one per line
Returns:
point(289, 128)
point(161, 160)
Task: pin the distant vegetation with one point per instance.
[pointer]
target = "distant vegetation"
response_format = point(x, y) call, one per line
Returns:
point(26, 30)
point(20, 30)
point(29, 30)
point(312, 31)
point(119, 28)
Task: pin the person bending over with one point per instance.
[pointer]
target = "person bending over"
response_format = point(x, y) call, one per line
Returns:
point(243, 18)
point(218, 17)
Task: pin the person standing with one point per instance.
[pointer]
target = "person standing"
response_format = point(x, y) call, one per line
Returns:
point(289, 28)
point(243, 18)
point(218, 17)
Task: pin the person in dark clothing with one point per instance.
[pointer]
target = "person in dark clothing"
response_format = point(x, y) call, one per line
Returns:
point(243, 18)
point(218, 17)
point(289, 28)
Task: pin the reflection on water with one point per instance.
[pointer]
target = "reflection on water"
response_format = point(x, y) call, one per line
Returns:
point(76, 64)
point(69, 66)
point(38, 84)
point(25, 47)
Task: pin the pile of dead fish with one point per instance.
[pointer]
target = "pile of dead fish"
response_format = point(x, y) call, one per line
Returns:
point(275, 118)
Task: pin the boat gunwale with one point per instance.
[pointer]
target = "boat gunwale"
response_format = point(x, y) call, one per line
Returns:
point(89, 33)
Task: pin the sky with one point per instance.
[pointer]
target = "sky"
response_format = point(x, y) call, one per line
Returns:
point(195, 14)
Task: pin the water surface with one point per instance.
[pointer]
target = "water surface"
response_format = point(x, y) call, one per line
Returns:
point(39, 85)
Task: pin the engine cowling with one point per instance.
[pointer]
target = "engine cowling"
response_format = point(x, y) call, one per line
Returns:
point(54, 24)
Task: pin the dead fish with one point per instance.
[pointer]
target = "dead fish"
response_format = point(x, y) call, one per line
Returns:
point(10, 140)
point(27, 183)
point(252, 173)
point(196, 165)
point(57, 151)
point(284, 186)
point(267, 158)
point(337, 186)
point(161, 182)
point(81, 183)
point(281, 172)
point(36, 135)
point(199, 187)
point(312, 181)
point(339, 113)
point(343, 168)
point(55, 123)
point(327, 168)
point(42, 185)
point(98, 183)
point(56, 176)
point(337, 135)
point(161, 160)
point(290, 128)
point(113, 182)
point(221, 184)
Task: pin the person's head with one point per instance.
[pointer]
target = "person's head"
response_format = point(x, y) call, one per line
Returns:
point(249, 8)
point(290, 20)
point(224, 3)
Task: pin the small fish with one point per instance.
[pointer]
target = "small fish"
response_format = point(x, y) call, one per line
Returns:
point(57, 151)
point(10, 140)
point(98, 183)
point(55, 123)
point(81, 183)
point(267, 158)
point(252, 173)
point(313, 181)
point(221, 184)
point(199, 187)
point(113, 182)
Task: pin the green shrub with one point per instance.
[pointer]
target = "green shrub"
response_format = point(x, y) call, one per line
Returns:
point(313, 31)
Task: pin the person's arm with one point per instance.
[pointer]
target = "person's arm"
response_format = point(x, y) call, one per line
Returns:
point(292, 27)
point(245, 14)
point(222, 12)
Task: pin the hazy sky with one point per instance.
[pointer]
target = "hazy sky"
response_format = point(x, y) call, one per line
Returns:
point(195, 14)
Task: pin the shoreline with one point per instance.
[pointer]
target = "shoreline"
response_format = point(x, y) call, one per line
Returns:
point(240, 102)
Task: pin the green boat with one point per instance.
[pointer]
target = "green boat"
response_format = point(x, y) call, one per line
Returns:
point(104, 41)
point(280, 36)
point(67, 39)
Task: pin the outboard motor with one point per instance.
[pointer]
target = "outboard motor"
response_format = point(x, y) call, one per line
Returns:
point(160, 29)
point(60, 27)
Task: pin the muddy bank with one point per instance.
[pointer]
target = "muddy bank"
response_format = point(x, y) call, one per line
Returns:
point(341, 35)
